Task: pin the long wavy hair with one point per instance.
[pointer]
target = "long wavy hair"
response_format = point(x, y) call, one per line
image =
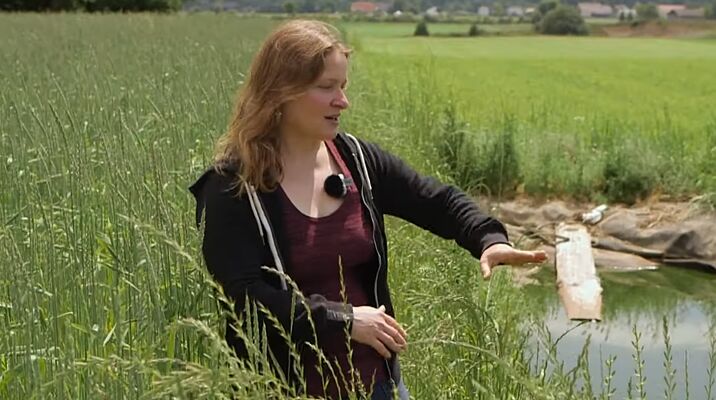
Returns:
point(289, 61)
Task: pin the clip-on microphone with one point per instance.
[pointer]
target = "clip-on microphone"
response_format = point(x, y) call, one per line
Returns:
point(336, 185)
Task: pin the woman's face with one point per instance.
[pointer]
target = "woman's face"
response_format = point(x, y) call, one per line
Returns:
point(316, 113)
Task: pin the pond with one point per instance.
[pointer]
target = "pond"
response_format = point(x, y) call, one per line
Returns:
point(639, 301)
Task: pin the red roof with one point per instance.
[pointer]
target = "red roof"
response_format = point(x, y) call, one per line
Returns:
point(363, 6)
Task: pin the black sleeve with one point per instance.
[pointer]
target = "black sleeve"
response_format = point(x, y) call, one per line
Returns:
point(233, 251)
point(426, 202)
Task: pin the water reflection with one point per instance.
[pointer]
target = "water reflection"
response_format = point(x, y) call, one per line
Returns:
point(641, 300)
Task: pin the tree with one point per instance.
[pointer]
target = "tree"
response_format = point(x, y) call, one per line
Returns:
point(546, 6)
point(474, 30)
point(309, 6)
point(498, 10)
point(563, 20)
point(711, 10)
point(289, 7)
point(647, 11)
point(421, 29)
point(328, 6)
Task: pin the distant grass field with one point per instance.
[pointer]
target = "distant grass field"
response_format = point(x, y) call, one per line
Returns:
point(576, 103)
point(406, 29)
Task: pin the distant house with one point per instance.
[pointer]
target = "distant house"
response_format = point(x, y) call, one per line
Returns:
point(384, 6)
point(483, 11)
point(691, 13)
point(515, 11)
point(666, 9)
point(366, 7)
point(624, 10)
point(530, 11)
point(595, 10)
point(432, 12)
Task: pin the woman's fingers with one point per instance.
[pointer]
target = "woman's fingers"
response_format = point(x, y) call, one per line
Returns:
point(392, 323)
point(512, 257)
point(380, 347)
point(486, 268)
point(395, 335)
point(522, 256)
point(509, 256)
point(389, 341)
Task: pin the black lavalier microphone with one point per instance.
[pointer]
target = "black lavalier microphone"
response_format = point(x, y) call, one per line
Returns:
point(336, 185)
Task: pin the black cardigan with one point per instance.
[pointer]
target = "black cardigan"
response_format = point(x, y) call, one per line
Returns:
point(234, 250)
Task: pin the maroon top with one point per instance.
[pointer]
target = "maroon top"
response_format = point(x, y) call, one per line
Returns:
point(313, 259)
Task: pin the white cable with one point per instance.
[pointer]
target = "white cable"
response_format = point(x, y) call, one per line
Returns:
point(362, 161)
point(253, 209)
point(272, 244)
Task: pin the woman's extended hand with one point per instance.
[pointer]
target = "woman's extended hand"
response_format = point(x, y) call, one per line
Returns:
point(372, 326)
point(504, 254)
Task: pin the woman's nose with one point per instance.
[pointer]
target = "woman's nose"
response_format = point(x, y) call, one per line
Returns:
point(341, 101)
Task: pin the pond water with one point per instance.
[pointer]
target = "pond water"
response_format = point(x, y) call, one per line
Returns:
point(640, 300)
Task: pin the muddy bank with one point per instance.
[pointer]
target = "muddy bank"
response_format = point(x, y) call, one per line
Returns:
point(625, 238)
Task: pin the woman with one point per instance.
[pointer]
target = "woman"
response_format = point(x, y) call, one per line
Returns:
point(289, 192)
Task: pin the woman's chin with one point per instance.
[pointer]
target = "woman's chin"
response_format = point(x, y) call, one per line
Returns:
point(329, 134)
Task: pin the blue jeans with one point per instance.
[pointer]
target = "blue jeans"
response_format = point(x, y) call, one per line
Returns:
point(384, 391)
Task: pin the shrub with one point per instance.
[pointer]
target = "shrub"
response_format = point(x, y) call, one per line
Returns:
point(711, 10)
point(421, 29)
point(625, 180)
point(647, 12)
point(486, 162)
point(563, 20)
point(474, 30)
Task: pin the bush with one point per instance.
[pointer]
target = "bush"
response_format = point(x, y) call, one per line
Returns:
point(647, 12)
point(711, 10)
point(474, 30)
point(486, 162)
point(707, 177)
point(563, 20)
point(626, 180)
point(421, 29)
point(546, 6)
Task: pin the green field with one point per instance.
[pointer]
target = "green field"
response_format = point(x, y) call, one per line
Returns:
point(640, 105)
point(106, 119)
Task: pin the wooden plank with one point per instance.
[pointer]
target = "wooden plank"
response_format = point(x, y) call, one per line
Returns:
point(577, 282)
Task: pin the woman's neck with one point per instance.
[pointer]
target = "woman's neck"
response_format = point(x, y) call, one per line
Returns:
point(301, 154)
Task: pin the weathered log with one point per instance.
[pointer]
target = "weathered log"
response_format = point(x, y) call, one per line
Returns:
point(577, 282)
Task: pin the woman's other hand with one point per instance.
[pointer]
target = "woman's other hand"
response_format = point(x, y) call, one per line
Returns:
point(372, 326)
point(504, 254)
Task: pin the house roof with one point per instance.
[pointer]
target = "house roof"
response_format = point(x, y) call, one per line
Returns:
point(691, 13)
point(667, 8)
point(594, 9)
point(363, 6)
